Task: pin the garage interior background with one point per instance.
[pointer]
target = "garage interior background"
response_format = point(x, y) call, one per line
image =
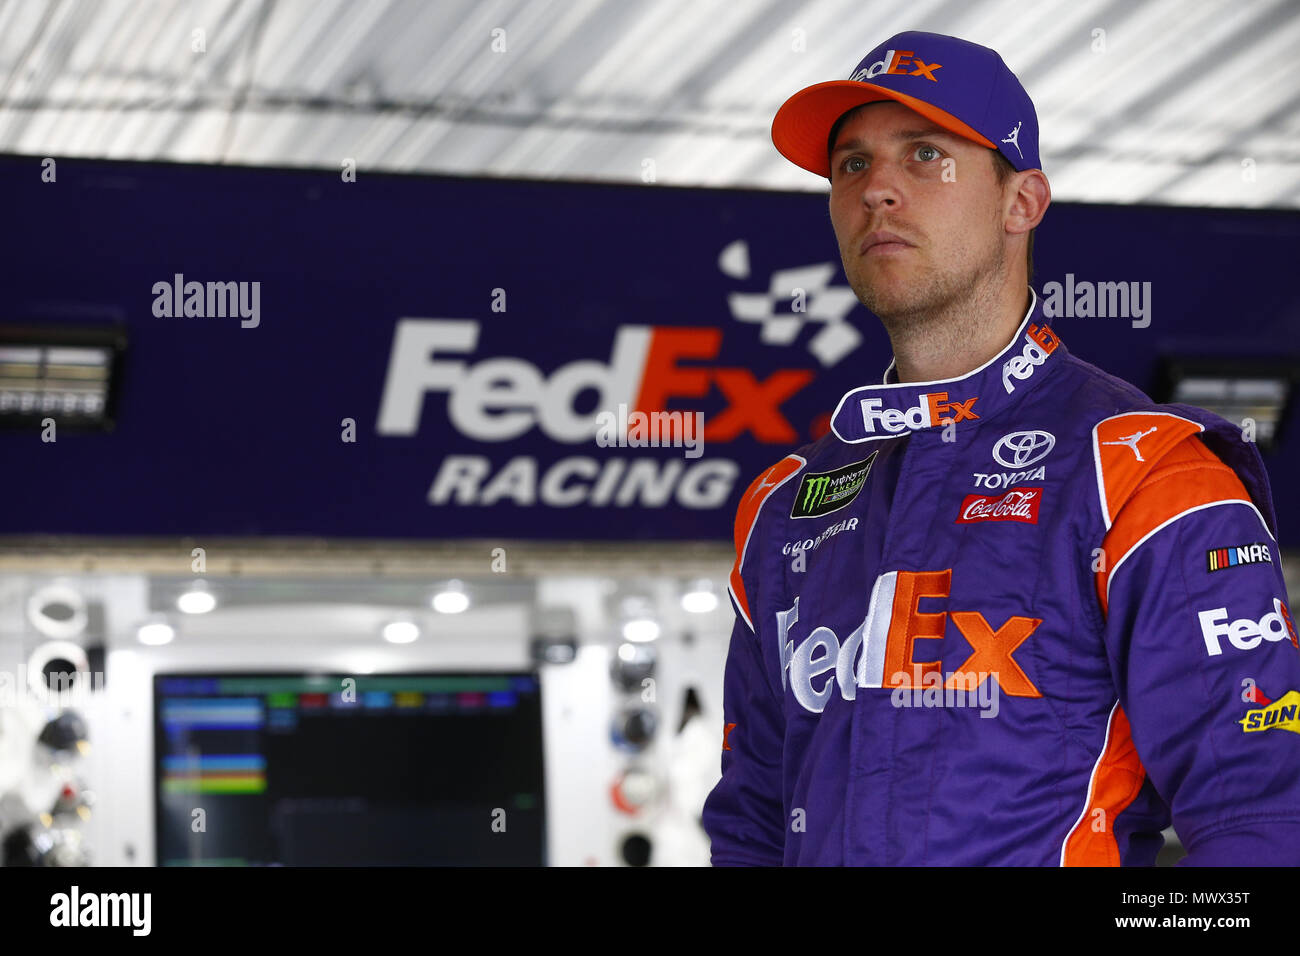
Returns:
point(565, 207)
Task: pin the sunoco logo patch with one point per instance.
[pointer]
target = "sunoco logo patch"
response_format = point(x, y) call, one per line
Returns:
point(823, 492)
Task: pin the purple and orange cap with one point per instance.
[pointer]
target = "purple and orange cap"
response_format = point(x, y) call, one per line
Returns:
point(958, 85)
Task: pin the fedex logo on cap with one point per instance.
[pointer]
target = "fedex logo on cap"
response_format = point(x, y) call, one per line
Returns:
point(931, 411)
point(892, 62)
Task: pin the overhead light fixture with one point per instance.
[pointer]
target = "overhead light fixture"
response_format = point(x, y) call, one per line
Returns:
point(452, 599)
point(1254, 395)
point(65, 373)
point(401, 632)
point(638, 619)
point(199, 599)
point(640, 630)
point(701, 597)
point(156, 633)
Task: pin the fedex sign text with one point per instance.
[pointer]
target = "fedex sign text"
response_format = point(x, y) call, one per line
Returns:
point(498, 399)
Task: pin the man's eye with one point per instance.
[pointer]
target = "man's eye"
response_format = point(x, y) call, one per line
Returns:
point(934, 153)
point(847, 166)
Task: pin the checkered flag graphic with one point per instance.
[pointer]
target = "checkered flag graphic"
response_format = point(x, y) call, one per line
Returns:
point(805, 295)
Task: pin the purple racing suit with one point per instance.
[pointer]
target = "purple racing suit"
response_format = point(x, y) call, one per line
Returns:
point(1021, 617)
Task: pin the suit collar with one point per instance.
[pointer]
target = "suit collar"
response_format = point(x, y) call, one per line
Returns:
point(873, 412)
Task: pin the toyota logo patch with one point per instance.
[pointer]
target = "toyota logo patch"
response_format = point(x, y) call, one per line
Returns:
point(1023, 448)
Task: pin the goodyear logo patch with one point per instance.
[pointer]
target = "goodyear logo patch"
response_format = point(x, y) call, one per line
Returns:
point(1279, 715)
point(820, 493)
point(1220, 558)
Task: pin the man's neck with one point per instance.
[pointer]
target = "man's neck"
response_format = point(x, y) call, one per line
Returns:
point(959, 340)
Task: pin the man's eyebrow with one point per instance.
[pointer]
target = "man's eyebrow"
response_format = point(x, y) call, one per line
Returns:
point(926, 133)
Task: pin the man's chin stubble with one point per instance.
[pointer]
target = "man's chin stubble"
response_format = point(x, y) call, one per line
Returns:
point(908, 307)
point(900, 303)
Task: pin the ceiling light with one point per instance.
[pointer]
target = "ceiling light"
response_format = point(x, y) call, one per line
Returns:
point(197, 600)
point(452, 599)
point(701, 598)
point(401, 632)
point(641, 629)
point(156, 633)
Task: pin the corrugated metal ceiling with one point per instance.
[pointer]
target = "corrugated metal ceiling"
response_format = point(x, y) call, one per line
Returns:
point(1164, 101)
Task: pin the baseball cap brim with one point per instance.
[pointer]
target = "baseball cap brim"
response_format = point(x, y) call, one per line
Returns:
point(803, 123)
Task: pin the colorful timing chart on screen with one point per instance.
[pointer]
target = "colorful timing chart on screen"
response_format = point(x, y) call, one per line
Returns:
point(214, 773)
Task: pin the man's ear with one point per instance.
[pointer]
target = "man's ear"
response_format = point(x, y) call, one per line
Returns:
point(1028, 203)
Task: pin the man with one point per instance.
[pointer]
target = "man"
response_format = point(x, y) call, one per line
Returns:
point(1009, 611)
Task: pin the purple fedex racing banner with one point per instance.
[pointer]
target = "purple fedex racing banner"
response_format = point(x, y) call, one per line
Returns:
point(425, 357)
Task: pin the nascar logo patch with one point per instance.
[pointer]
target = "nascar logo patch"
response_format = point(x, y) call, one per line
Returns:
point(1218, 559)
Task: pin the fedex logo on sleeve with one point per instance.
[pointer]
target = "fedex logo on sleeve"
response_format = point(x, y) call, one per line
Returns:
point(934, 409)
point(1245, 633)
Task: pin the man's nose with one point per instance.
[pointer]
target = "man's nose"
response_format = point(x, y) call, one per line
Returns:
point(879, 185)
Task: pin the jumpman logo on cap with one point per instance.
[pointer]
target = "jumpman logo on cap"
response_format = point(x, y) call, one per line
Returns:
point(1013, 138)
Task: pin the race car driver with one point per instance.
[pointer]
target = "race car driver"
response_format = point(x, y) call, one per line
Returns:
point(1009, 611)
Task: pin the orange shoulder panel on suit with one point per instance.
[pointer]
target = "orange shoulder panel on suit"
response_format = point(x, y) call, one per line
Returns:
point(747, 513)
point(1126, 447)
point(1185, 477)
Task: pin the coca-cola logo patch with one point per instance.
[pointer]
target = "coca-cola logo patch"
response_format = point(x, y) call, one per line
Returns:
point(1018, 504)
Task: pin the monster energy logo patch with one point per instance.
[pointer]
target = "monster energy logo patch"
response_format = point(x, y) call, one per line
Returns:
point(821, 493)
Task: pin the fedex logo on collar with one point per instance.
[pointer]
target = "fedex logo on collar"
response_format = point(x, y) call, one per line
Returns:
point(931, 411)
point(890, 63)
point(1040, 342)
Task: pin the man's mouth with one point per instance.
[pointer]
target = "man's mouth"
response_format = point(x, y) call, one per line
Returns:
point(882, 243)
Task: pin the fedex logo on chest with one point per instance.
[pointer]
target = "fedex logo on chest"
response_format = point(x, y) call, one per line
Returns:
point(882, 651)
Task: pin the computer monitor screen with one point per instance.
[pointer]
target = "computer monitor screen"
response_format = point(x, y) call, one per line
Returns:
point(339, 770)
